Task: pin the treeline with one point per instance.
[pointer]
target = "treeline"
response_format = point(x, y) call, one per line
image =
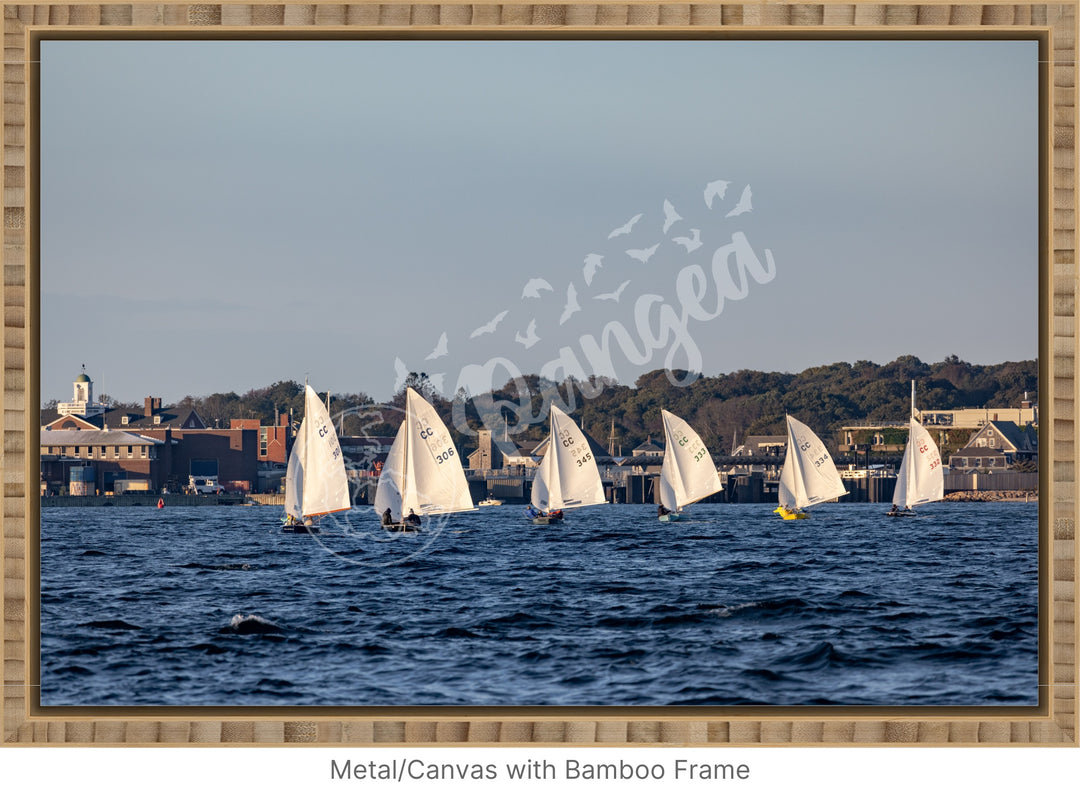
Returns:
point(726, 408)
point(720, 408)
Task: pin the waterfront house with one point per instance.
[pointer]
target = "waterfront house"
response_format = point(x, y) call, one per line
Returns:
point(997, 445)
point(494, 454)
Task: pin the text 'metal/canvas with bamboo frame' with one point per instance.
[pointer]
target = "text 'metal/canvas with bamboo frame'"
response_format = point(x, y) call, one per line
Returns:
point(1051, 722)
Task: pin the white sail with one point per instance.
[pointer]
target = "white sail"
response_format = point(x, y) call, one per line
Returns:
point(688, 473)
point(809, 475)
point(294, 476)
point(921, 478)
point(392, 480)
point(315, 479)
point(423, 471)
point(567, 476)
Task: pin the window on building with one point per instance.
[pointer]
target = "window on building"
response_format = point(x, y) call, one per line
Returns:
point(125, 420)
point(130, 449)
point(993, 443)
point(157, 420)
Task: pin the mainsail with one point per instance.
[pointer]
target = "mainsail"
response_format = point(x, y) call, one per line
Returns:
point(921, 478)
point(423, 471)
point(315, 479)
point(809, 475)
point(688, 473)
point(567, 476)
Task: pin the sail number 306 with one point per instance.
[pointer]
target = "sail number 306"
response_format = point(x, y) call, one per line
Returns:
point(440, 457)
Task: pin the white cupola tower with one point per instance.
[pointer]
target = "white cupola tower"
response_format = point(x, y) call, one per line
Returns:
point(82, 399)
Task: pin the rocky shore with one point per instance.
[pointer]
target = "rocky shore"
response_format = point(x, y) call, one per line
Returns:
point(992, 495)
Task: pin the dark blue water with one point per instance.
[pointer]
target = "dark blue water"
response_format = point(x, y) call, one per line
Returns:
point(213, 606)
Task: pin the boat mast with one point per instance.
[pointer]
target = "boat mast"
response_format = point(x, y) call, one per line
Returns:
point(911, 457)
point(307, 445)
point(405, 458)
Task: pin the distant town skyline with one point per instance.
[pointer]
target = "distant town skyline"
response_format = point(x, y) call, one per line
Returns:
point(224, 215)
point(171, 401)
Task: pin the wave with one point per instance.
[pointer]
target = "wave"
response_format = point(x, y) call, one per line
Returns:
point(456, 632)
point(224, 567)
point(824, 655)
point(250, 625)
point(206, 648)
point(114, 623)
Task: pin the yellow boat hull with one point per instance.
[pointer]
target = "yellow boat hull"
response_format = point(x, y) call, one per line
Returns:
point(791, 515)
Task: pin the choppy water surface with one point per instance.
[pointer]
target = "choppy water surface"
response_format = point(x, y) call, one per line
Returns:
point(214, 606)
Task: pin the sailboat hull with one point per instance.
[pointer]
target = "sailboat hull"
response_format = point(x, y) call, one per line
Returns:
point(673, 516)
point(401, 527)
point(791, 515)
point(299, 529)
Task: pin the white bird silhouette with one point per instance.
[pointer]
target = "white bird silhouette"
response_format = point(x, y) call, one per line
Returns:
point(533, 287)
point(489, 327)
point(612, 296)
point(440, 349)
point(625, 227)
point(400, 374)
point(571, 304)
point(592, 264)
point(529, 339)
point(690, 243)
point(643, 255)
point(670, 215)
point(743, 205)
point(715, 189)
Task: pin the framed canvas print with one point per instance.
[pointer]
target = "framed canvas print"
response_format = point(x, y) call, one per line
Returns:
point(723, 353)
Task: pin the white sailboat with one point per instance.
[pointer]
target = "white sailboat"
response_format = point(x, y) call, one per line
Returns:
point(809, 475)
point(315, 480)
point(567, 476)
point(921, 478)
point(688, 473)
point(423, 473)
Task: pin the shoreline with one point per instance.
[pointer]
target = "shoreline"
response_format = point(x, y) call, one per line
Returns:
point(976, 496)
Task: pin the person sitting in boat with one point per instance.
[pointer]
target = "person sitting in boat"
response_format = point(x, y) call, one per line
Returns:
point(661, 511)
point(412, 517)
point(531, 512)
point(895, 510)
point(556, 514)
point(387, 517)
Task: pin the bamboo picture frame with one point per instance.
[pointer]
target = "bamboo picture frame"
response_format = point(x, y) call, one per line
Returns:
point(1051, 722)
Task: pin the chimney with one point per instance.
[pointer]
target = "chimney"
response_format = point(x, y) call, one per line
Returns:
point(151, 406)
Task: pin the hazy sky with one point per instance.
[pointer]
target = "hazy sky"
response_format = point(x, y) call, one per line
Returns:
point(218, 216)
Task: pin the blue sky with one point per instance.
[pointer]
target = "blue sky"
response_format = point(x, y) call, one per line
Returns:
point(220, 215)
